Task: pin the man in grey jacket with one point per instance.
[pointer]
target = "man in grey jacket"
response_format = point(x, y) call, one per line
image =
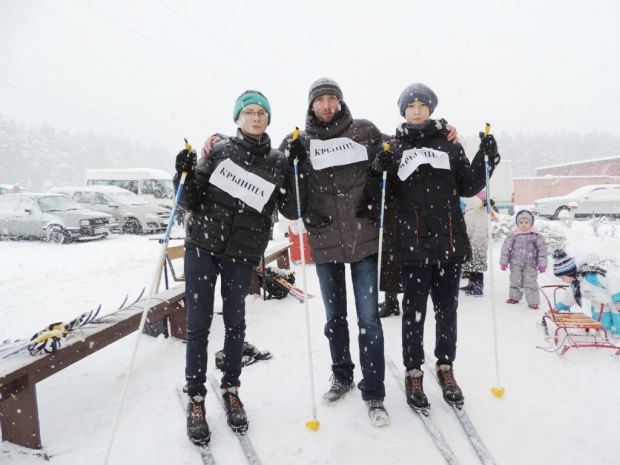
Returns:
point(334, 152)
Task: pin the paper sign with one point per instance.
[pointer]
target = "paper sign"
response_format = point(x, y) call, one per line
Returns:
point(241, 184)
point(413, 158)
point(336, 152)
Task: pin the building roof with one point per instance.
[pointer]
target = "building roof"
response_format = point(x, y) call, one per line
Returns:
point(591, 160)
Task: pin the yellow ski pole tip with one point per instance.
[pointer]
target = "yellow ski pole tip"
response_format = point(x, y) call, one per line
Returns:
point(313, 425)
point(487, 129)
point(498, 391)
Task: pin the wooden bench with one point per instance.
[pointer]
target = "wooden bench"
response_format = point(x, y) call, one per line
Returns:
point(276, 251)
point(19, 374)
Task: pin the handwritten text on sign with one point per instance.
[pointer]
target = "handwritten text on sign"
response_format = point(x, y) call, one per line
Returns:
point(415, 157)
point(241, 184)
point(336, 152)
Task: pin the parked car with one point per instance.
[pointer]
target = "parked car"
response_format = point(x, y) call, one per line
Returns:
point(591, 200)
point(51, 217)
point(133, 214)
point(153, 185)
point(9, 188)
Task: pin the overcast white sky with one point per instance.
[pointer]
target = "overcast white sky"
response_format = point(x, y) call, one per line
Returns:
point(161, 70)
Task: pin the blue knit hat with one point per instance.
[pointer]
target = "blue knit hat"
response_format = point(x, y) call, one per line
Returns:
point(417, 92)
point(250, 97)
point(563, 265)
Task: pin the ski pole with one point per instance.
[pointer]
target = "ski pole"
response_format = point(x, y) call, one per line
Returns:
point(386, 147)
point(497, 390)
point(154, 284)
point(314, 423)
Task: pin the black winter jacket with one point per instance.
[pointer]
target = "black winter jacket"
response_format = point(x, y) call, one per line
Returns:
point(223, 225)
point(430, 225)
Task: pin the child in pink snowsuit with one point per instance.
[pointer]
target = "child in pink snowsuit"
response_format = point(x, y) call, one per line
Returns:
point(524, 250)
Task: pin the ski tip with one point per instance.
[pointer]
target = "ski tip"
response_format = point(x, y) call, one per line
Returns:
point(313, 425)
point(498, 391)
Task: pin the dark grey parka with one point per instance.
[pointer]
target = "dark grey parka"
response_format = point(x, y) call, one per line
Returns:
point(336, 204)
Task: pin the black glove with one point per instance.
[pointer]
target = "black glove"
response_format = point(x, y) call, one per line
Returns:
point(488, 147)
point(297, 150)
point(186, 160)
point(384, 161)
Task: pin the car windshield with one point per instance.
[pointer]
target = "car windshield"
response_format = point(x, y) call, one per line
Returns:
point(57, 203)
point(128, 198)
point(159, 188)
point(582, 191)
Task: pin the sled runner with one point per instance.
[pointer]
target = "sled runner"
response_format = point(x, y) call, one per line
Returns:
point(578, 329)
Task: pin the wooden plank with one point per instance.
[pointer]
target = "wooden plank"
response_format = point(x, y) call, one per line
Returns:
point(19, 417)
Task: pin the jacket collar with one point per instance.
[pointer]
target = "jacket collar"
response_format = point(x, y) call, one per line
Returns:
point(341, 121)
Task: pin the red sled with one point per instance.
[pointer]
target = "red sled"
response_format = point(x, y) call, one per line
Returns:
point(578, 329)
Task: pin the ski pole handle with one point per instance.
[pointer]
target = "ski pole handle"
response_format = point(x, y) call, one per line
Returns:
point(296, 133)
point(487, 129)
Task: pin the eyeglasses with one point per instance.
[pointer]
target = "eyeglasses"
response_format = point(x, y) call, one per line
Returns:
point(251, 113)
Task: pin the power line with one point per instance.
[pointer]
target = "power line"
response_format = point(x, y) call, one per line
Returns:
point(115, 109)
point(149, 39)
point(79, 107)
point(217, 42)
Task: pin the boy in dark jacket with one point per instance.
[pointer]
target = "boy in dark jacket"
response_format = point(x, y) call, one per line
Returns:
point(428, 175)
point(230, 195)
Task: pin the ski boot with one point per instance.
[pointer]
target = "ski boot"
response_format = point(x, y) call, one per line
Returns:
point(533, 306)
point(377, 413)
point(235, 414)
point(197, 427)
point(452, 393)
point(415, 392)
point(512, 301)
point(390, 306)
point(467, 287)
point(337, 391)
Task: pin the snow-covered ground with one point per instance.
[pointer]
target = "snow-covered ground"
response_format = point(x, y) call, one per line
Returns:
point(556, 409)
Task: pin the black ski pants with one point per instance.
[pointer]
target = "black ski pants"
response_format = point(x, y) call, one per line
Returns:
point(442, 281)
point(201, 271)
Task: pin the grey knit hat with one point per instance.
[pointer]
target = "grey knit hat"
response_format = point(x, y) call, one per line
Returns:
point(417, 92)
point(563, 265)
point(324, 86)
point(526, 213)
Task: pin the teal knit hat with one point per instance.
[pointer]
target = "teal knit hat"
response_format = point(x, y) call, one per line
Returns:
point(250, 97)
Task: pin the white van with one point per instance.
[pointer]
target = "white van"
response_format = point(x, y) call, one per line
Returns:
point(502, 187)
point(154, 186)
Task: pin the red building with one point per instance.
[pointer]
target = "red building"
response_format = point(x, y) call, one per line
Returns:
point(551, 181)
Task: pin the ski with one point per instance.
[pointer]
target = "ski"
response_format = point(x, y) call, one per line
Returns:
point(428, 423)
point(31, 344)
point(244, 440)
point(204, 449)
point(468, 427)
point(282, 280)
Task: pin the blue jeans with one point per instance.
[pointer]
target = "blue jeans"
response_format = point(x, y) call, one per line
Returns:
point(201, 271)
point(333, 290)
